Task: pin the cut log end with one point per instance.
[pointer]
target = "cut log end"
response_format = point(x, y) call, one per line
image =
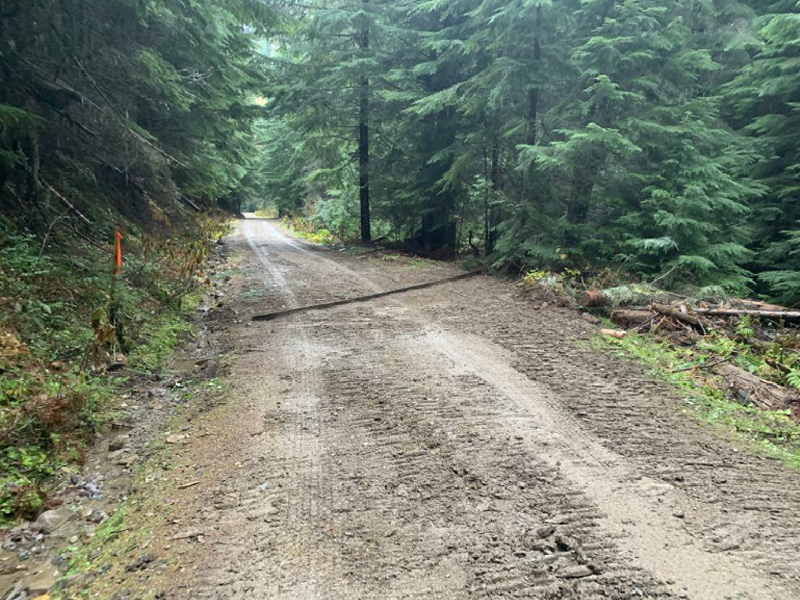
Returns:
point(593, 299)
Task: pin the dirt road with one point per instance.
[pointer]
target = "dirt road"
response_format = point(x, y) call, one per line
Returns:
point(457, 442)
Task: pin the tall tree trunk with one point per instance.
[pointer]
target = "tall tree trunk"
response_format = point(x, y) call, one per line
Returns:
point(533, 92)
point(363, 140)
point(438, 229)
point(582, 187)
point(487, 219)
point(493, 211)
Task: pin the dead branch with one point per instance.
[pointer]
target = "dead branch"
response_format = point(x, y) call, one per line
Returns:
point(706, 365)
point(738, 312)
point(71, 206)
point(677, 313)
point(122, 117)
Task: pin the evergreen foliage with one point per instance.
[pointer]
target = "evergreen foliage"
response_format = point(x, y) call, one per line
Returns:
point(127, 107)
point(649, 135)
point(764, 100)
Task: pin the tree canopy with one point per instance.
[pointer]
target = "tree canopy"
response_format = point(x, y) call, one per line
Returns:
point(655, 138)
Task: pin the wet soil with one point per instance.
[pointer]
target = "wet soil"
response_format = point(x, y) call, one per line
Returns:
point(453, 442)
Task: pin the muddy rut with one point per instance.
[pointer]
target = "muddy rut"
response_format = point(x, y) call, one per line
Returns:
point(459, 442)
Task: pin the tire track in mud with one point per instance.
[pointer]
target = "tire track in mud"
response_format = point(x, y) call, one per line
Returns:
point(486, 581)
point(637, 511)
point(742, 504)
point(286, 480)
point(436, 499)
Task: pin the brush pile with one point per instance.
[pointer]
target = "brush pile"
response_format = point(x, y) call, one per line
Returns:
point(753, 348)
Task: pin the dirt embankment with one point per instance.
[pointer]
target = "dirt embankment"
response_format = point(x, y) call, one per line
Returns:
point(454, 442)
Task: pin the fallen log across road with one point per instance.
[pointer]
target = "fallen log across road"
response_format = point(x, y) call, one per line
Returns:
point(411, 288)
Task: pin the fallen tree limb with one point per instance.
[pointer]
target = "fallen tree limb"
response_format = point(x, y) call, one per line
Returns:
point(123, 119)
point(67, 202)
point(734, 312)
point(661, 278)
point(676, 313)
point(755, 304)
point(411, 288)
point(776, 365)
point(746, 388)
point(706, 365)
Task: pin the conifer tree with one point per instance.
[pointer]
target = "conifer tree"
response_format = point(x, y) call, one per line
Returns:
point(764, 101)
point(567, 133)
point(322, 82)
point(137, 103)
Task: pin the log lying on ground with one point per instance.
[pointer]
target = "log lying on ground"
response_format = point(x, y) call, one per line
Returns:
point(676, 313)
point(593, 299)
point(419, 286)
point(749, 389)
point(755, 304)
point(740, 312)
point(631, 318)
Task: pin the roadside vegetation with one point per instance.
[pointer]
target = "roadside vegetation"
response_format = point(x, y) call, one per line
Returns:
point(72, 334)
point(740, 373)
point(773, 433)
point(309, 230)
point(651, 136)
point(136, 118)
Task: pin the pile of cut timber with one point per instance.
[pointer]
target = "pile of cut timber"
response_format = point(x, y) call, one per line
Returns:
point(641, 318)
point(683, 325)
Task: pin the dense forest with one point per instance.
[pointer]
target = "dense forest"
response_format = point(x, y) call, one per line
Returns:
point(657, 138)
point(122, 120)
point(127, 105)
point(653, 138)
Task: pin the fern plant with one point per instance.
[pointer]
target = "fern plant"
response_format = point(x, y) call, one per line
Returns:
point(793, 378)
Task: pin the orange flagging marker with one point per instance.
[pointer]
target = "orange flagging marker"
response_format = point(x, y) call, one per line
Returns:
point(117, 253)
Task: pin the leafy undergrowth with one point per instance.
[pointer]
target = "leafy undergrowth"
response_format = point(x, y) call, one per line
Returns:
point(306, 229)
point(404, 260)
point(267, 213)
point(63, 320)
point(772, 433)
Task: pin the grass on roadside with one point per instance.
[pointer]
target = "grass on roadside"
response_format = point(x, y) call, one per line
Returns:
point(412, 262)
point(771, 433)
point(129, 532)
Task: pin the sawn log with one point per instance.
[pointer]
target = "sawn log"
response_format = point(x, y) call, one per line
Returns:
point(746, 388)
point(740, 312)
point(631, 318)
